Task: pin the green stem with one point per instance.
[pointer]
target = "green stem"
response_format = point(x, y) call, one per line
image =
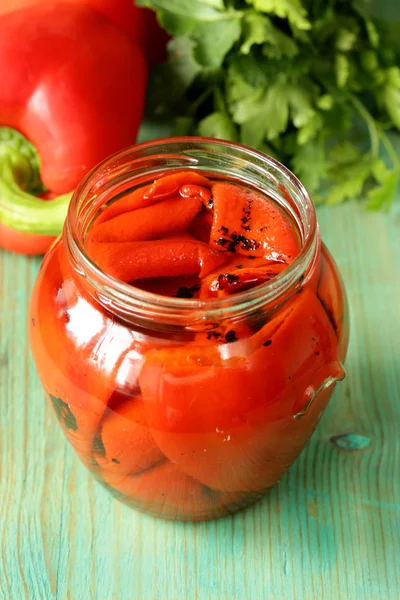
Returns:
point(202, 98)
point(19, 209)
point(219, 100)
point(389, 148)
point(371, 124)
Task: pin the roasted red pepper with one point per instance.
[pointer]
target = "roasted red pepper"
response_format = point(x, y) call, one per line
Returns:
point(81, 100)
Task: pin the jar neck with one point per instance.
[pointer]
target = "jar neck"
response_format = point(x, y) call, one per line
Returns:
point(142, 164)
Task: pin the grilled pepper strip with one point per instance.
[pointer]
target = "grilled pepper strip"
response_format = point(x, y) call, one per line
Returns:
point(246, 224)
point(129, 261)
point(153, 222)
point(169, 185)
point(151, 194)
point(128, 445)
point(238, 280)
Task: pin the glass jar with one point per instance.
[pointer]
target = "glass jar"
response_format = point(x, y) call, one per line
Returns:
point(168, 420)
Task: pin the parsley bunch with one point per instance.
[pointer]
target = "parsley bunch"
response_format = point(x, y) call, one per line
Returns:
point(314, 83)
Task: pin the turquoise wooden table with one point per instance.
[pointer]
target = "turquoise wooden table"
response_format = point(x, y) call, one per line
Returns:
point(329, 531)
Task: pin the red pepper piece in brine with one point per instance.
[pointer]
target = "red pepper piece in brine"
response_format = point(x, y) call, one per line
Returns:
point(127, 446)
point(247, 223)
point(200, 227)
point(169, 185)
point(233, 281)
point(129, 261)
point(150, 223)
point(131, 201)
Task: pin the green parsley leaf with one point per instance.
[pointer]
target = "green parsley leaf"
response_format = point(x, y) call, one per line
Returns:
point(344, 153)
point(182, 126)
point(205, 10)
point(349, 178)
point(372, 32)
point(345, 40)
point(342, 68)
point(309, 163)
point(369, 60)
point(176, 76)
point(325, 102)
point(266, 109)
point(284, 9)
point(310, 129)
point(391, 95)
point(174, 24)
point(381, 196)
point(246, 70)
point(300, 101)
point(259, 29)
point(218, 125)
point(214, 39)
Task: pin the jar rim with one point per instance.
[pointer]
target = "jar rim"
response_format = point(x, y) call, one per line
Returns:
point(113, 292)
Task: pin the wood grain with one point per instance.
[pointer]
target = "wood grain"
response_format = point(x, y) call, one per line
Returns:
point(329, 531)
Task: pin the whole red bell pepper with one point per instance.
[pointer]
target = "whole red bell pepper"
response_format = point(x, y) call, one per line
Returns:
point(139, 23)
point(73, 83)
point(122, 12)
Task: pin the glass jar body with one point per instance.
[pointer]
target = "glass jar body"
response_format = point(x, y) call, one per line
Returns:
point(173, 423)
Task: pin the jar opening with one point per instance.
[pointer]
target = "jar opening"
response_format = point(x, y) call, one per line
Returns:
point(142, 164)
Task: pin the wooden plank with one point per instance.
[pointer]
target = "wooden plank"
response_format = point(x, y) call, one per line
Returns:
point(329, 530)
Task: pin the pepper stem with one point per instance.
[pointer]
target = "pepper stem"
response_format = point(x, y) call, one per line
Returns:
point(20, 209)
